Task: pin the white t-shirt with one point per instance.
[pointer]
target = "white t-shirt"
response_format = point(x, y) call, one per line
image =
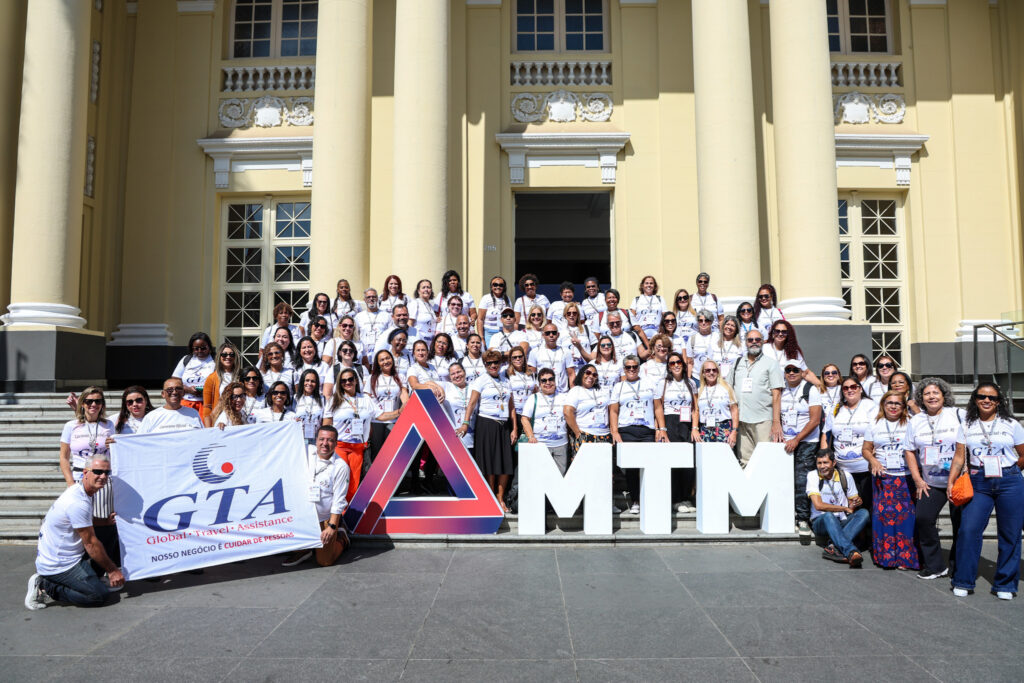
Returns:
point(165, 420)
point(441, 302)
point(766, 318)
point(352, 417)
point(387, 395)
point(726, 354)
point(780, 357)
point(625, 344)
point(714, 405)
point(795, 411)
point(996, 437)
point(524, 304)
point(370, 326)
point(648, 311)
point(709, 302)
point(636, 402)
point(890, 442)
point(423, 316)
point(591, 406)
point(653, 369)
point(699, 349)
point(339, 309)
point(624, 317)
point(522, 384)
point(267, 414)
point(548, 419)
point(494, 396)
point(424, 374)
point(412, 334)
point(591, 309)
point(130, 426)
point(268, 334)
point(328, 483)
point(558, 359)
point(286, 375)
point(390, 302)
point(686, 327)
point(442, 365)
point(609, 374)
point(310, 412)
point(455, 402)
point(324, 371)
point(677, 398)
point(60, 548)
point(534, 339)
point(934, 439)
point(506, 341)
point(193, 373)
point(831, 492)
point(848, 428)
point(877, 390)
point(830, 398)
point(474, 367)
point(328, 346)
point(556, 313)
point(490, 308)
point(86, 439)
point(587, 341)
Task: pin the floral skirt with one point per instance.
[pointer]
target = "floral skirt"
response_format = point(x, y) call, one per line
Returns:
point(892, 524)
point(718, 433)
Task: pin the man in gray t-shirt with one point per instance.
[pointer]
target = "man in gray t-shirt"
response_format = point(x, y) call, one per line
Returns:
point(757, 381)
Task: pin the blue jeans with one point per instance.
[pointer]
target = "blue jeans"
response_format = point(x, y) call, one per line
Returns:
point(487, 337)
point(1006, 494)
point(841, 532)
point(78, 586)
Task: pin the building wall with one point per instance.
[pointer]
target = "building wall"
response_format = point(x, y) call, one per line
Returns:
point(153, 229)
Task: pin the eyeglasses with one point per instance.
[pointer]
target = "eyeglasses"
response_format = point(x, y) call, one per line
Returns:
point(703, 321)
point(282, 393)
point(536, 315)
point(851, 387)
point(235, 397)
point(175, 390)
point(133, 401)
point(547, 380)
point(630, 368)
point(682, 298)
point(988, 397)
point(251, 378)
point(93, 401)
point(673, 363)
point(551, 333)
point(589, 373)
point(100, 473)
point(274, 354)
point(898, 404)
point(348, 380)
point(526, 285)
point(669, 320)
point(887, 366)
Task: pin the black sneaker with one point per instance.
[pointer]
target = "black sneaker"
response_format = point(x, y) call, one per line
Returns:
point(830, 553)
point(927, 574)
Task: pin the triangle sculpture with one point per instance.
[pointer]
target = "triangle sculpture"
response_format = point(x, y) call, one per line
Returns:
point(474, 510)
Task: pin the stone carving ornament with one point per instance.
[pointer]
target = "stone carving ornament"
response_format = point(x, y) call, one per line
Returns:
point(857, 108)
point(561, 106)
point(265, 112)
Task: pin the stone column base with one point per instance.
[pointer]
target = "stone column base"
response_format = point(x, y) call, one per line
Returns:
point(50, 358)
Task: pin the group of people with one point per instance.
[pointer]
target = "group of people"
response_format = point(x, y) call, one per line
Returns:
point(873, 454)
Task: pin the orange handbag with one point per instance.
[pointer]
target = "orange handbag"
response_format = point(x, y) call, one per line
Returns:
point(963, 489)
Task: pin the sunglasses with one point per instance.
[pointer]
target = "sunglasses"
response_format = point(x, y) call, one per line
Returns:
point(133, 401)
point(780, 333)
point(897, 404)
point(283, 393)
point(630, 368)
point(888, 366)
point(246, 380)
point(669, 320)
point(547, 380)
point(347, 327)
point(830, 373)
point(492, 363)
point(529, 284)
point(988, 397)
point(497, 285)
point(614, 324)
point(792, 371)
point(275, 354)
point(536, 315)
point(711, 371)
point(605, 346)
point(703, 321)
point(851, 387)
point(348, 380)
point(682, 298)
point(703, 282)
point(508, 315)
point(93, 401)
point(235, 397)
point(746, 310)
point(754, 340)
point(227, 354)
point(100, 473)
point(589, 373)
point(175, 390)
point(201, 347)
point(858, 363)
point(764, 296)
point(551, 333)
point(320, 325)
point(673, 363)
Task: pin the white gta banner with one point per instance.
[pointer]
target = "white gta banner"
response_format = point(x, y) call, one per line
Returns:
point(204, 497)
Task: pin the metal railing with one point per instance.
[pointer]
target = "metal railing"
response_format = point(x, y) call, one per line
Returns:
point(998, 336)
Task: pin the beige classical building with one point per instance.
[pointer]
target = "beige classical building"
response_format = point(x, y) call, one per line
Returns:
point(171, 166)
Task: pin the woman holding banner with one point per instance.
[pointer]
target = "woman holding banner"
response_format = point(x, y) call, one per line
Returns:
point(279, 397)
point(230, 410)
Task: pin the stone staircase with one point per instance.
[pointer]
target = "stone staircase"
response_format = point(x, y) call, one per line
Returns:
point(30, 480)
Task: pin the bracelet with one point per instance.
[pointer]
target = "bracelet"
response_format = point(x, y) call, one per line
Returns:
point(660, 429)
point(465, 422)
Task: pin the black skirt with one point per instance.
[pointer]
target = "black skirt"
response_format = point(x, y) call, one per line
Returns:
point(492, 446)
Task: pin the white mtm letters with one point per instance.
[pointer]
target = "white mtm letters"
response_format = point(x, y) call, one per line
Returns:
point(766, 485)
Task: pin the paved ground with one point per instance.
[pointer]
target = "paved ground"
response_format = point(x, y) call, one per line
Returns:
point(697, 612)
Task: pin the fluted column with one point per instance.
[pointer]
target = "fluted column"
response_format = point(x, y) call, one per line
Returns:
point(420, 228)
point(341, 146)
point(12, 55)
point(47, 245)
point(726, 172)
point(805, 162)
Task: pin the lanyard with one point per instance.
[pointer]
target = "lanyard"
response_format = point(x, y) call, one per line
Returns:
point(684, 396)
point(931, 424)
point(986, 434)
point(551, 405)
point(849, 421)
point(94, 436)
point(791, 393)
point(833, 396)
point(321, 470)
point(354, 405)
point(713, 391)
point(832, 489)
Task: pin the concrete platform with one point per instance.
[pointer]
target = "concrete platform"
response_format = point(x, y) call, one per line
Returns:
point(750, 612)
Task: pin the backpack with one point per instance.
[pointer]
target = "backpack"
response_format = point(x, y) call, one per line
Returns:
point(842, 483)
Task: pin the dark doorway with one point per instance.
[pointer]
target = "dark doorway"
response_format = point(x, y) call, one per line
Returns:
point(563, 236)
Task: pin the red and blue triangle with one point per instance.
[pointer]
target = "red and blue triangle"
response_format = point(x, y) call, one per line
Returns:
point(474, 510)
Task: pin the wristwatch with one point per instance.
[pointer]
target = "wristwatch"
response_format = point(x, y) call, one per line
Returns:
point(333, 526)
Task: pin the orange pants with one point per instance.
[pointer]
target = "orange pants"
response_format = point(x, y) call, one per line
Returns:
point(197, 405)
point(352, 453)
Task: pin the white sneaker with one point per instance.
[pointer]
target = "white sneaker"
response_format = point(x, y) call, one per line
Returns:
point(34, 596)
point(297, 558)
point(634, 509)
point(686, 506)
point(803, 528)
point(960, 592)
point(1004, 595)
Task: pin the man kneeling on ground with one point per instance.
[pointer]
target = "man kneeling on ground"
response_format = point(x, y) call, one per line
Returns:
point(834, 502)
point(329, 485)
point(67, 541)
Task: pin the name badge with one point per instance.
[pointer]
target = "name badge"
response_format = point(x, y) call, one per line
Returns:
point(709, 417)
point(846, 434)
point(992, 467)
point(893, 461)
point(309, 428)
point(931, 456)
point(789, 419)
point(314, 492)
point(748, 385)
